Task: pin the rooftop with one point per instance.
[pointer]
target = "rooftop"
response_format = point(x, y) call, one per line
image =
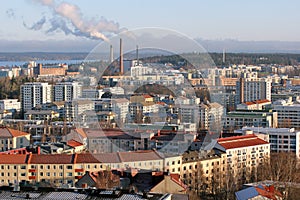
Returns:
point(240, 141)
point(8, 132)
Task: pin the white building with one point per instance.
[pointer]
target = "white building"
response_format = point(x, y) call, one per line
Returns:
point(251, 89)
point(280, 139)
point(140, 70)
point(73, 109)
point(66, 91)
point(288, 114)
point(33, 94)
point(10, 104)
point(244, 153)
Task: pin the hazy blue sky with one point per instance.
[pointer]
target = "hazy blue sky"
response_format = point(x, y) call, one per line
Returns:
point(207, 19)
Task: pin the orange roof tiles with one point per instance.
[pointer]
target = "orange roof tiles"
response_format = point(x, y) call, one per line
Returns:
point(13, 158)
point(74, 143)
point(241, 141)
point(8, 132)
point(51, 159)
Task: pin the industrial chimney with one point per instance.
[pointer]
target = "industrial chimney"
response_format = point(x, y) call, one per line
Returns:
point(111, 56)
point(121, 58)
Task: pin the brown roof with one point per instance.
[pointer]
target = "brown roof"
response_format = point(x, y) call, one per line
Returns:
point(74, 143)
point(139, 156)
point(87, 158)
point(108, 157)
point(241, 141)
point(8, 132)
point(13, 158)
point(51, 159)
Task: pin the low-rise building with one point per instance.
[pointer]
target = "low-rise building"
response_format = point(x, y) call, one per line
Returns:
point(12, 139)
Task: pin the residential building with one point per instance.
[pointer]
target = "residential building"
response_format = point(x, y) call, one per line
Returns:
point(244, 154)
point(288, 114)
point(33, 94)
point(280, 139)
point(73, 109)
point(251, 89)
point(67, 91)
point(10, 104)
point(240, 118)
point(13, 139)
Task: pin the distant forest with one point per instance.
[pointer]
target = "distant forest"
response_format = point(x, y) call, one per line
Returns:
point(231, 58)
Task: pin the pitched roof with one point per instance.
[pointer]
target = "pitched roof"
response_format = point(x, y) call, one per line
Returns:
point(8, 132)
point(51, 159)
point(13, 158)
point(240, 141)
point(139, 156)
point(74, 143)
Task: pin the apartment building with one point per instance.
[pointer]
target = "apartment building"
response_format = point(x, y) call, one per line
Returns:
point(204, 170)
point(257, 118)
point(33, 94)
point(288, 114)
point(244, 153)
point(68, 168)
point(66, 91)
point(251, 89)
point(280, 139)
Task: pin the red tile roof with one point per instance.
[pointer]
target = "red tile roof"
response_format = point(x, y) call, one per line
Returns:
point(87, 158)
point(138, 156)
point(8, 132)
point(13, 158)
point(74, 143)
point(241, 141)
point(51, 159)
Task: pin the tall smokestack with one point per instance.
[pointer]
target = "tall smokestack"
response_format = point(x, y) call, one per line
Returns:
point(111, 56)
point(121, 58)
point(223, 56)
point(137, 55)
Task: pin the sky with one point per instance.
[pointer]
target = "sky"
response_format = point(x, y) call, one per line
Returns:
point(255, 20)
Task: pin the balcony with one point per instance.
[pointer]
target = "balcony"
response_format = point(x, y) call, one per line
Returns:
point(79, 170)
point(32, 170)
point(31, 177)
point(78, 177)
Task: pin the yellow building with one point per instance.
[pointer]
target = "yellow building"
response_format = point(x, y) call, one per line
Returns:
point(12, 139)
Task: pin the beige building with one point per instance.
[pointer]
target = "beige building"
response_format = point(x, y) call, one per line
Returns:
point(12, 139)
point(68, 168)
point(244, 154)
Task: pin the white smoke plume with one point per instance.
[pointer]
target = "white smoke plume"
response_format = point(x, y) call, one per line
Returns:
point(36, 26)
point(69, 19)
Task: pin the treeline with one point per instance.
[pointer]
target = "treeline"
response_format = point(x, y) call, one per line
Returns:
point(230, 58)
point(10, 88)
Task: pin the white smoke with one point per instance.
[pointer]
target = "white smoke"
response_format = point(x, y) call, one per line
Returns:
point(36, 26)
point(69, 19)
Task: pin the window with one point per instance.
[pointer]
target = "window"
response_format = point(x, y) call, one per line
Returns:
point(48, 166)
point(70, 167)
point(23, 167)
point(41, 174)
point(69, 174)
point(41, 167)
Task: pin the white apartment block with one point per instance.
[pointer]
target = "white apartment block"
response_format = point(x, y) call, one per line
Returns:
point(280, 139)
point(10, 104)
point(67, 91)
point(251, 89)
point(244, 153)
point(288, 114)
point(33, 94)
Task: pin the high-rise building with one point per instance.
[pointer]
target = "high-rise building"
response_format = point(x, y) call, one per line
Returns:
point(251, 89)
point(33, 94)
point(67, 91)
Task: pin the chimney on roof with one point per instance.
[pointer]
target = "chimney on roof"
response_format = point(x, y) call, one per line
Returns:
point(121, 58)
